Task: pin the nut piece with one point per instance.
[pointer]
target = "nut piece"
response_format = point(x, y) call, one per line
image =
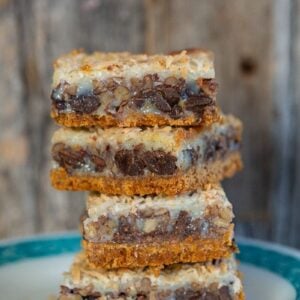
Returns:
point(71, 90)
point(171, 81)
point(98, 87)
point(122, 93)
point(150, 225)
point(129, 162)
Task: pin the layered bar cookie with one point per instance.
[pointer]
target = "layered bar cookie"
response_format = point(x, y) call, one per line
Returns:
point(217, 280)
point(127, 90)
point(124, 231)
point(164, 160)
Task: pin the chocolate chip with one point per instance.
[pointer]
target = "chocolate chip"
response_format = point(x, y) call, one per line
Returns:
point(171, 95)
point(67, 157)
point(160, 162)
point(138, 102)
point(129, 162)
point(201, 294)
point(184, 294)
point(98, 162)
point(224, 293)
point(197, 103)
point(210, 296)
point(85, 104)
point(157, 99)
point(182, 225)
point(91, 297)
point(162, 105)
point(127, 229)
point(216, 147)
point(125, 226)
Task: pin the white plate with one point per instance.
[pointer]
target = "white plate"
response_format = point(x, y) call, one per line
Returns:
point(31, 269)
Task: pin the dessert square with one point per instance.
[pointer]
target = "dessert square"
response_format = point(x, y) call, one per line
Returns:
point(137, 231)
point(211, 280)
point(158, 160)
point(129, 90)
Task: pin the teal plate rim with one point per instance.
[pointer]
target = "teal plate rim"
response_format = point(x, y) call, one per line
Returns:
point(278, 259)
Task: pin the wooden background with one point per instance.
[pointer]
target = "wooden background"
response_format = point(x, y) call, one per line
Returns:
point(257, 48)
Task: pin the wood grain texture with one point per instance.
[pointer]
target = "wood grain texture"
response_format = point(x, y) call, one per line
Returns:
point(294, 236)
point(257, 50)
point(18, 208)
point(286, 136)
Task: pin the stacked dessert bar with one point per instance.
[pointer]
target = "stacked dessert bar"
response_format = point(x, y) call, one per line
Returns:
point(144, 135)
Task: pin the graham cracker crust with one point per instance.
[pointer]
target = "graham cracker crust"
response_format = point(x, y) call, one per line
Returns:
point(209, 116)
point(152, 184)
point(190, 250)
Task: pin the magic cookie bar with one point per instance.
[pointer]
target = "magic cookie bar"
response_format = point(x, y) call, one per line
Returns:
point(165, 160)
point(127, 90)
point(124, 231)
point(212, 280)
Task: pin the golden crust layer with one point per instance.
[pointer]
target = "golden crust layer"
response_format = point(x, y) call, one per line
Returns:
point(210, 115)
point(165, 185)
point(190, 250)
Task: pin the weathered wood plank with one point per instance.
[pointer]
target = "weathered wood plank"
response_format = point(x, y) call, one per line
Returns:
point(232, 29)
point(286, 176)
point(295, 75)
point(17, 212)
